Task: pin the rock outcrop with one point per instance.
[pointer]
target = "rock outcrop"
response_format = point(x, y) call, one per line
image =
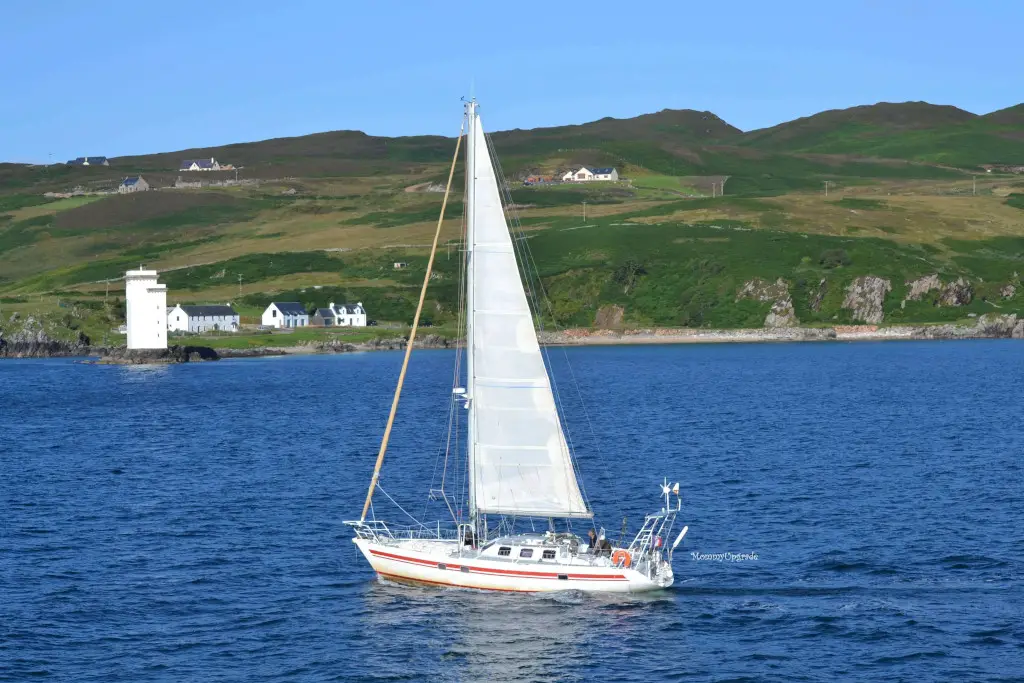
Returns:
point(988, 326)
point(916, 289)
point(1008, 291)
point(31, 340)
point(865, 298)
point(172, 354)
point(819, 296)
point(429, 341)
point(956, 293)
point(781, 313)
point(609, 317)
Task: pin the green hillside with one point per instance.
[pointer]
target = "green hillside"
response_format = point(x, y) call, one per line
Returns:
point(333, 212)
point(915, 131)
point(860, 142)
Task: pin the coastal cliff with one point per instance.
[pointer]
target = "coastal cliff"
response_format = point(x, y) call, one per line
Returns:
point(30, 338)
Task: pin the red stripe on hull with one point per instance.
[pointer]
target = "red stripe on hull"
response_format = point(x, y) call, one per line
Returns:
point(406, 579)
point(500, 572)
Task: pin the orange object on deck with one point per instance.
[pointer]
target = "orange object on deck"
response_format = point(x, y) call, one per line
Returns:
point(622, 557)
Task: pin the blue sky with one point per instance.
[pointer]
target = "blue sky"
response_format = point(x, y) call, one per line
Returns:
point(108, 78)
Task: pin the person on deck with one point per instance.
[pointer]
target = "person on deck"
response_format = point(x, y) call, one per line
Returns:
point(599, 546)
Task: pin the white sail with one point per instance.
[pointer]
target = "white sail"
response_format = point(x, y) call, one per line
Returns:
point(519, 460)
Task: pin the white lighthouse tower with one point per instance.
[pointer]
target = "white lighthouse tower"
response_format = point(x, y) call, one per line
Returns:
point(146, 310)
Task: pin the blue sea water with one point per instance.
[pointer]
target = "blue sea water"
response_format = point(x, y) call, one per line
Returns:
point(184, 523)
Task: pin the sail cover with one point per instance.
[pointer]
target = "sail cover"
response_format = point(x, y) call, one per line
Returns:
point(521, 463)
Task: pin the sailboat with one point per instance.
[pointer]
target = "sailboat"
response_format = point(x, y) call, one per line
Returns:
point(519, 469)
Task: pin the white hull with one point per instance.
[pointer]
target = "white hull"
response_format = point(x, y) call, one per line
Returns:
point(438, 563)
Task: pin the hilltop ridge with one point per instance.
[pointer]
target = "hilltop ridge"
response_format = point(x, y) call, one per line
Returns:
point(678, 141)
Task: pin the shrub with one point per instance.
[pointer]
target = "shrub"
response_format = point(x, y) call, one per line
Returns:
point(628, 273)
point(833, 258)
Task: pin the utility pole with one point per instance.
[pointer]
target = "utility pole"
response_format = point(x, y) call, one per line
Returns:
point(239, 285)
point(826, 188)
point(584, 212)
point(974, 185)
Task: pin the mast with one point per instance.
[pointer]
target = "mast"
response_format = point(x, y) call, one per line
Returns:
point(470, 379)
point(519, 462)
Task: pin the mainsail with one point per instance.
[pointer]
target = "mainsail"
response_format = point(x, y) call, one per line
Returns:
point(519, 460)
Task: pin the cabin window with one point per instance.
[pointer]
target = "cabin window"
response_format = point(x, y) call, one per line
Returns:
point(563, 577)
point(504, 551)
point(442, 565)
point(464, 569)
point(549, 554)
point(526, 552)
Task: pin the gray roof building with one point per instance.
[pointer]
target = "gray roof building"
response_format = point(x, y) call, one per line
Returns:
point(213, 310)
point(290, 307)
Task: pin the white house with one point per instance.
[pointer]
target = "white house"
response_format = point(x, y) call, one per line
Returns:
point(350, 315)
point(285, 314)
point(133, 184)
point(198, 319)
point(586, 175)
point(146, 310)
point(89, 161)
point(200, 165)
point(582, 175)
point(605, 174)
point(345, 315)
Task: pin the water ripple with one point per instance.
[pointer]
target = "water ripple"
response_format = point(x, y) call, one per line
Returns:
point(184, 523)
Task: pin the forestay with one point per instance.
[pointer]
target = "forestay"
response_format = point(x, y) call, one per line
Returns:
point(520, 461)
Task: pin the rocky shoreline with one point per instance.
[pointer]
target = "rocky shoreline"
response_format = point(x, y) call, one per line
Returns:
point(42, 346)
point(986, 327)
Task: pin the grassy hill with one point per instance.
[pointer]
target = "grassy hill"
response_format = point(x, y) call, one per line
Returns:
point(915, 131)
point(860, 142)
point(333, 211)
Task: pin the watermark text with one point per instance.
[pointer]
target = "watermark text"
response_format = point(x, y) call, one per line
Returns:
point(722, 557)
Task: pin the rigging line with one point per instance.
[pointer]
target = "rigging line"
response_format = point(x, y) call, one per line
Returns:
point(462, 466)
point(535, 284)
point(453, 411)
point(388, 496)
point(437, 460)
point(412, 333)
point(459, 350)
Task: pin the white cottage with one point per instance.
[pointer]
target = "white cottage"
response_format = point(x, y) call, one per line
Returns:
point(200, 165)
point(285, 314)
point(582, 175)
point(133, 184)
point(605, 174)
point(198, 319)
point(345, 315)
point(350, 315)
point(585, 175)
